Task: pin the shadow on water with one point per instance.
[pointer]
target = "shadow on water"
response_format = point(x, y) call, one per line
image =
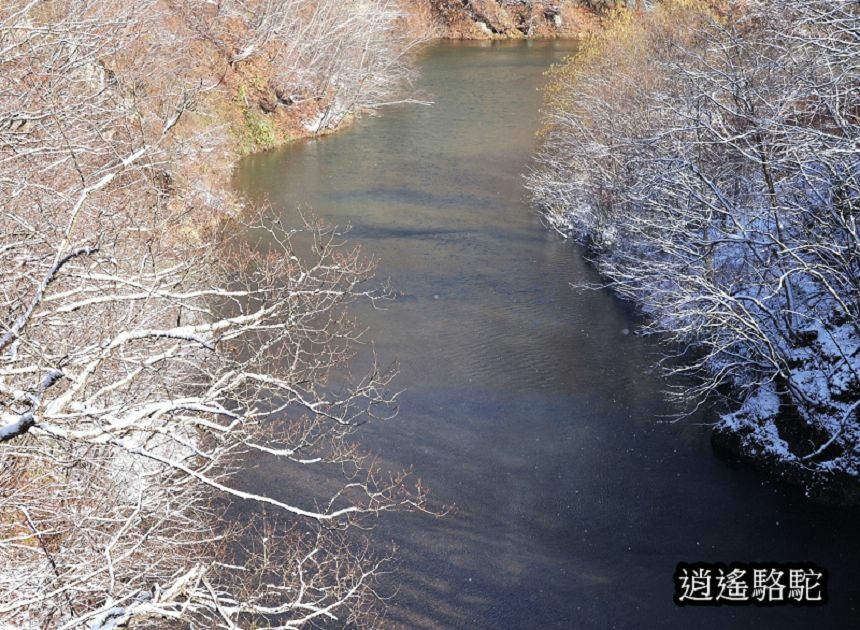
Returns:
point(527, 404)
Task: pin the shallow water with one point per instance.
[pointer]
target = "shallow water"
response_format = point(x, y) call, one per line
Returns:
point(527, 403)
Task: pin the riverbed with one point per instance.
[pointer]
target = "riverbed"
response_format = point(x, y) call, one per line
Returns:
point(530, 405)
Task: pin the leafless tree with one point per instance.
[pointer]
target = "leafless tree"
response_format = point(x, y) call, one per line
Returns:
point(151, 341)
point(348, 56)
point(712, 164)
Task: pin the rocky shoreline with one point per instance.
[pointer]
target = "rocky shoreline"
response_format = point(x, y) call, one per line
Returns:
point(495, 19)
point(831, 488)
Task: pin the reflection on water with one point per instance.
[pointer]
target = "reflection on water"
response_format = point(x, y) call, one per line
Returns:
point(527, 404)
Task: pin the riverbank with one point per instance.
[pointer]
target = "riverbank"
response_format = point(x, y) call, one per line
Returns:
point(714, 193)
point(266, 92)
point(142, 334)
point(497, 19)
point(260, 115)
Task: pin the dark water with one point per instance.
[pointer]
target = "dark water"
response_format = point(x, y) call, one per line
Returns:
point(527, 404)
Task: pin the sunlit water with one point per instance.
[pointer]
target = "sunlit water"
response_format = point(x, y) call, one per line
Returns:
point(527, 403)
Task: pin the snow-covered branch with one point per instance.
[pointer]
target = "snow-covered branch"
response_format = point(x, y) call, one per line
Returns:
point(153, 340)
point(712, 165)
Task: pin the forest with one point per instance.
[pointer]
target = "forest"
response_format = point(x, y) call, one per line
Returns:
point(707, 155)
point(145, 350)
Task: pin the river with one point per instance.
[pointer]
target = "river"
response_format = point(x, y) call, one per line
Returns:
point(529, 405)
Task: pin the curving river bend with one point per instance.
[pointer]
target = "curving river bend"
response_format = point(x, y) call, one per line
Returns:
point(528, 404)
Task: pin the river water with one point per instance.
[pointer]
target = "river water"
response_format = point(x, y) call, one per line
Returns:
point(528, 404)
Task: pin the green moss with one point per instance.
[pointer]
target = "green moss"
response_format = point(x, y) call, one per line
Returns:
point(259, 133)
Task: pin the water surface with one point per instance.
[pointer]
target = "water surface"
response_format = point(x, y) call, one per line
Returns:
point(528, 404)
